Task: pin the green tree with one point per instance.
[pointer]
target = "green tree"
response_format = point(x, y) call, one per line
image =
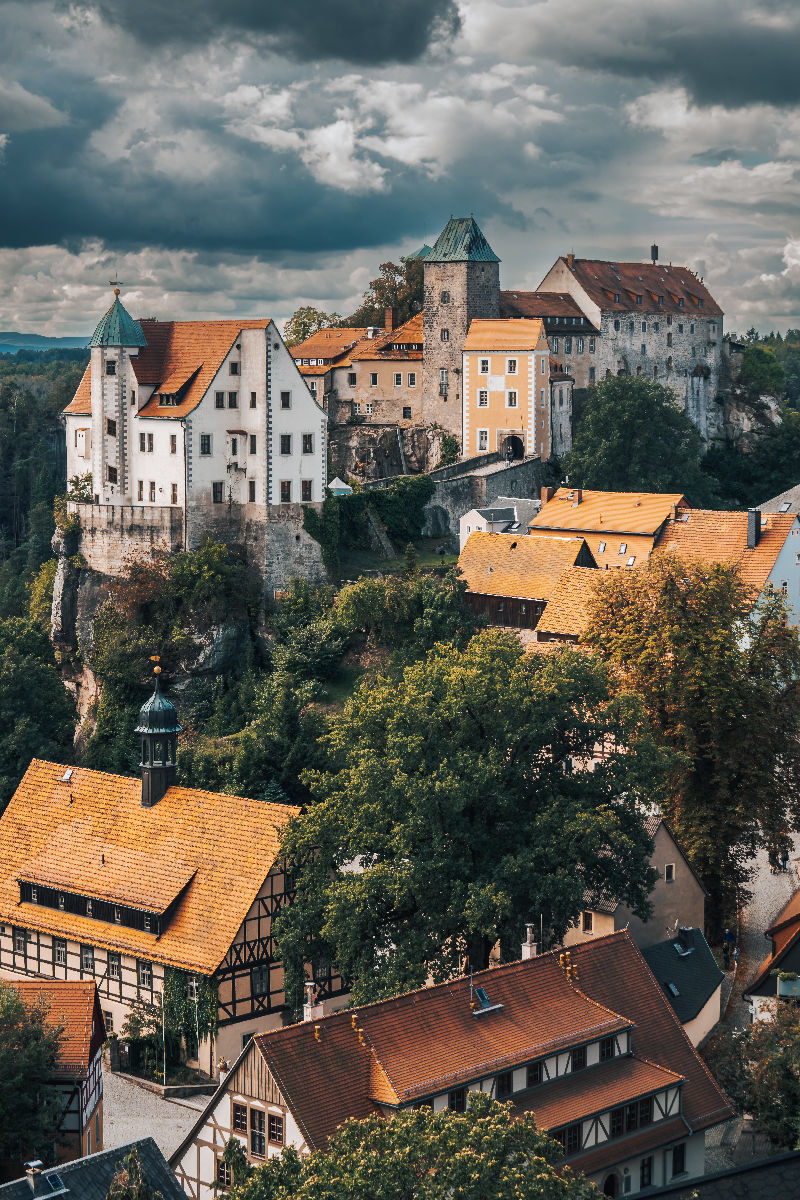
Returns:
point(307, 320)
point(29, 1046)
point(398, 286)
point(632, 437)
point(130, 1181)
point(482, 1154)
point(40, 591)
point(37, 715)
point(721, 684)
point(461, 790)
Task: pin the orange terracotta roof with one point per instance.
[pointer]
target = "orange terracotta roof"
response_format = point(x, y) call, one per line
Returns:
point(623, 1079)
point(392, 344)
point(502, 335)
point(608, 550)
point(75, 1005)
point(231, 843)
point(789, 914)
point(409, 332)
point(567, 610)
point(542, 304)
point(327, 343)
point(784, 931)
point(722, 537)
point(607, 512)
point(514, 565)
point(81, 402)
point(602, 281)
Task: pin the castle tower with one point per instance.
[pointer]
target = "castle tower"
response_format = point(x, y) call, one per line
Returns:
point(114, 341)
point(462, 281)
point(159, 729)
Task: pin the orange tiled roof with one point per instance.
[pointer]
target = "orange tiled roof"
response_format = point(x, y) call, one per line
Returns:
point(784, 931)
point(602, 281)
point(608, 512)
point(81, 402)
point(607, 548)
point(567, 610)
point(514, 565)
point(327, 343)
point(542, 304)
point(722, 537)
point(622, 1080)
point(392, 344)
point(75, 1005)
point(229, 841)
point(410, 332)
point(504, 334)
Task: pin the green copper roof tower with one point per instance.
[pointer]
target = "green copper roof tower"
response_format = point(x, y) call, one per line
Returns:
point(461, 240)
point(118, 328)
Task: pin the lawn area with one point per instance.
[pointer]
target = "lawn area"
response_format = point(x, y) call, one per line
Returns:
point(354, 563)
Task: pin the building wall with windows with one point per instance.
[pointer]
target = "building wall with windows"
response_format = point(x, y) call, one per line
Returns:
point(383, 389)
point(506, 392)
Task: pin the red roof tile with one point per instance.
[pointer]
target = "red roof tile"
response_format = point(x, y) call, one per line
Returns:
point(81, 402)
point(571, 1098)
point(516, 565)
point(328, 343)
point(602, 281)
point(75, 1005)
point(722, 537)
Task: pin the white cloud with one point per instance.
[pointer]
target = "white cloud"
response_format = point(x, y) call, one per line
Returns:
point(21, 110)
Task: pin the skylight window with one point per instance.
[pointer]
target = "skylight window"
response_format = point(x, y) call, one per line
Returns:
point(785, 506)
point(673, 989)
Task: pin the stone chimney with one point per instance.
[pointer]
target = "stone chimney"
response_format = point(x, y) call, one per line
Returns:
point(33, 1170)
point(570, 260)
point(547, 493)
point(577, 495)
point(391, 319)
point(529, 947)
point(753, 527)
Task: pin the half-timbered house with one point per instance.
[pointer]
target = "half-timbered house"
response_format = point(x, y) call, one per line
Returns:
point(127, 882)
point(585, 1039)
point(78, 1078)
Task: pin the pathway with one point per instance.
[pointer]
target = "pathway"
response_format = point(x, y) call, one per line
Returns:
point(131, 1112)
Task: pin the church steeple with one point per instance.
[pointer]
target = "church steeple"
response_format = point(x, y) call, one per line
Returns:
point(118, 328)
point(159, 729)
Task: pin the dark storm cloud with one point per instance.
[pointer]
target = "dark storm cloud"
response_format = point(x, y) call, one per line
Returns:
point(358, 31)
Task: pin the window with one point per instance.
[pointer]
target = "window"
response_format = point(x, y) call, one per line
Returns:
point(592, 344)
point(568, 345)
point(680, 328)
point(412, 378)
point(258, 1133)
point(373, 379)
point(785, 588)
point(591, 375)
point(601, 547)
point(286, 491)
point(579, 1058)
point(251, 490)
point(59, 952)
point(457, 1100)
point(587, 921)
point(112, 474)
point(533, 1075)
point(113, 964)
point(233, 399)
point(555, 345)
point(406, 412)
point(623, 547)
point(152, 491)
point(644, 348)
point(275, 1129)
point(580, 345)
point(504, 1085)
point(35, 896)
point(205, 443)
point(483, 439)
point(644, 326)
point(252, 443)
point(616, 297)
point(511, 399)
point(356, 407)
point(216, 491)
point(511, 366)
point(286, 399)
point(617, 1125)
point(351, 379)
point(631, 560)
point(111, 367)
point(173, 443)
point(669, 873)
point(679, 1159)
point(638, 299)
point(87, 959)
point(234, 368)
point(541, 397)
point(646, 1112)
point(646, 1172)
point(443, 381)
point(219, 399)
point(313, 386)
point(444, 334)
point(560, 397)
point(108, 1021)
point(223, 1174)
point(445, 297)
point(286, 443)
point(305, 490)
point(570, 1137)
point(144, 973)
point(483, 366)
point(252, 399)
point(111, 428)
point(308, 443)
point(616, 326)
point(607, 1049)
point(368, 408)
point(20, 941)
point(240, 1118)
point(117, 915)
point(398, 379)
point(234, 446)
point(173, 499)
point(483, 398)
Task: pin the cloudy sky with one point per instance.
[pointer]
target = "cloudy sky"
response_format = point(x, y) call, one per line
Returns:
point(234, 157)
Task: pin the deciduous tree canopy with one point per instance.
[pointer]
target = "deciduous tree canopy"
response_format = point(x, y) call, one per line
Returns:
point(29, 1113)
point(398, 286)
point(307, 320)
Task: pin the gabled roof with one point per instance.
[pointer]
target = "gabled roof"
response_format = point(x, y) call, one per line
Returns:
point(567, 610)
point(328, 343)
point(785, 502)
point(75, 1005)
point(461, 240)
point(784, 932)
point(228, 842)
point(559, 306)
point(392, 343)
point(608, 512)
point(501, 335)
point(90, 1178)
point(118, 328)
point(603, 280)
point(722, 537)
point(514, 565)
point(81, 402)
point(686, 964)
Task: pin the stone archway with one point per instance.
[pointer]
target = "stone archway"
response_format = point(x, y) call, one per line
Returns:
point(515, 445)
point(611, 1187)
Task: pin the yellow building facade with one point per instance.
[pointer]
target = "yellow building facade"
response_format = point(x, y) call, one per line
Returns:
point(506, 389)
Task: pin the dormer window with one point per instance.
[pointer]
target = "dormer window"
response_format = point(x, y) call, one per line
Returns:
point(34, 895)
point(147, 923)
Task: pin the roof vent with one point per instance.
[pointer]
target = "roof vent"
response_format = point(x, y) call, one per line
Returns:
point(484, 1004)
point(65, 778)
point(681, 950)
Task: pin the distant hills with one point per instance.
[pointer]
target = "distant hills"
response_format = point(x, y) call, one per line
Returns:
point(10, 343)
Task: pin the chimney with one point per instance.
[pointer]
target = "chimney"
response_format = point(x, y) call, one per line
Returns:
point(391, 319)
point(753, 527)
point(654, 253)
point(570, 260)
point(547, 493)
point(578, 495)
point(311, 1010)
point(529, 947)
point(33, 1170)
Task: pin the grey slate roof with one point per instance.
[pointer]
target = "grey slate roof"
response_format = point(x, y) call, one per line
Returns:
point(461, 241)
point(695, 974)
point(90, 1178)
point(525, 509)
point(497, 514)
point(786, 502)
point(769, 1179)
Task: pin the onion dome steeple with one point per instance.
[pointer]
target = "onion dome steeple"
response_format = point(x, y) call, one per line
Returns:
point(118, 328)
point(158, 727)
